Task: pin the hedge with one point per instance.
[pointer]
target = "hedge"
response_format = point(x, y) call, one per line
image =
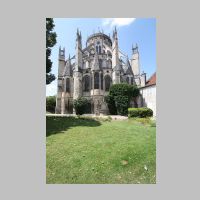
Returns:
point(140, 112)
point(81, 105)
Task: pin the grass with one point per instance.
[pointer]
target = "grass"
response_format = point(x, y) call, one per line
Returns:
point(83, 150)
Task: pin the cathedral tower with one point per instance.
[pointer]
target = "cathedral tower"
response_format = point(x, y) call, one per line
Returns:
point(115, 59)
point(61, 67)
point(78, 67)
point(135, 64)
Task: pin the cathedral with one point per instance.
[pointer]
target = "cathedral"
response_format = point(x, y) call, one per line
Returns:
point(92, 70)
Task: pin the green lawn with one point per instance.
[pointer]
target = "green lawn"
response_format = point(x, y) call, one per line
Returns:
point(93, 151)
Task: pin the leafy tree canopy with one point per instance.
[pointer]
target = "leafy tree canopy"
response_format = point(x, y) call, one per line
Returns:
point(120, 96)
point(50, 42)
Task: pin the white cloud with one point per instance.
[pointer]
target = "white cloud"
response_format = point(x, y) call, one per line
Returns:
point(51, 89)
point(111, 22)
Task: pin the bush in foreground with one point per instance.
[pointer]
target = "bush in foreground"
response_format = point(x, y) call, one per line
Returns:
point(120, 96)
point(81, 105)
point(50, 104)
point(140, 112)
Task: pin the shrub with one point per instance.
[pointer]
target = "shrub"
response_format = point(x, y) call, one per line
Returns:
point(81, 105)
point(111, 104)
point(140, 112)
point(50, 104)
point(119, 98)
point(153, 124)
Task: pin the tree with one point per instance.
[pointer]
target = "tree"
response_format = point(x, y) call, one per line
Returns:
point(120, 96)
point(50, 104)
point(50, 42)
point(81, 105)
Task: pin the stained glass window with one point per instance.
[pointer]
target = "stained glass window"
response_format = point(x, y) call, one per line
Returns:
point(96, 80)
point(108, 81)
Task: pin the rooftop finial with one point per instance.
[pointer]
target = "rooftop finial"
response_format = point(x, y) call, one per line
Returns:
point(115, 29)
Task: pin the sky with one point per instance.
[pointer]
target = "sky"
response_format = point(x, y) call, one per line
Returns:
point(130, 31)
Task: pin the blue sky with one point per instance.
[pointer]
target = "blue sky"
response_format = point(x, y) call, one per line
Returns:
point(130, 31)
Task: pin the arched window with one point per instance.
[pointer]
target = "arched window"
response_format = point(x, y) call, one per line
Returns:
point(99, 49)
point(101, 81)
point(108, 82)
point(86, 82)
point(67, 85)
point(96, 80)
point(127, 80)
point(131, 80)
point(109, 53)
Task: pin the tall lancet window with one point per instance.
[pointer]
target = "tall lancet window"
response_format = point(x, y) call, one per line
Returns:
point(86, 82)
point(98, 48)
point(67, 85)
point(101, 81)
point(131, 80)
point(108, 82)
point(96, 80)
point(127, 80)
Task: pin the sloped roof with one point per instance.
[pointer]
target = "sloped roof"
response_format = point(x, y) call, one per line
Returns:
point(151, 80)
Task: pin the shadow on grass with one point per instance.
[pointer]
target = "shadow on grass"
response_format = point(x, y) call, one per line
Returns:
point(55, 125)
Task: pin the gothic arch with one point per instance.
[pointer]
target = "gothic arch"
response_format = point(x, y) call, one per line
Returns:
point(102, 81)
point(131, 80)
point(96, 80)
point(127, 79)
point(108, 82)
point(86, 83)
point(67, 88)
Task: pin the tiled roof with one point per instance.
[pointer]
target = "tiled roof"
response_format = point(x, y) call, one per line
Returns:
point(152, 80)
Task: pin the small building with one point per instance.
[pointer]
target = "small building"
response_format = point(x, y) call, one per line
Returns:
point(148, 94)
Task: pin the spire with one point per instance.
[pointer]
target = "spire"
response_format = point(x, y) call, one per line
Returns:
point(69, 59)
point(115, 30)
point(80, 35)
point(135, 49)
point(127, 60)
point(78, 55)
point(68, 68)
point(115, 34)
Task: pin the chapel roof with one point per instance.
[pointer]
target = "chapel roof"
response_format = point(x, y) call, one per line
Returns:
point(99, 35)
point(151, 80)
